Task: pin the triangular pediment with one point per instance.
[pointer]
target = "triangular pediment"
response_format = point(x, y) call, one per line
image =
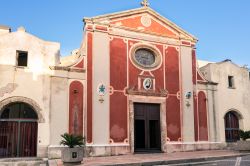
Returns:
point(145, 20)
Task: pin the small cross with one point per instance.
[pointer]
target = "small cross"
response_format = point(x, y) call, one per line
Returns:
point(145, 3)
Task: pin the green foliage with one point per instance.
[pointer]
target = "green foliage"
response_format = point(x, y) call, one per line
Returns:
point(72, 140)
point(244, 134)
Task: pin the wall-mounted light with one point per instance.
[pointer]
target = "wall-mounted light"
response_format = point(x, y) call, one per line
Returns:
point(188, 95)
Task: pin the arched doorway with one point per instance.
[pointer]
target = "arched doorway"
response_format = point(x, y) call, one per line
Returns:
point(232, 127)
point(18, 130)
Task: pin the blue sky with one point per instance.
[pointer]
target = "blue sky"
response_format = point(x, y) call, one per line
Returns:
point(222, 26)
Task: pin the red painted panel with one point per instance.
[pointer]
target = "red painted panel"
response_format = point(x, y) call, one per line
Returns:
point(199, 77)
point(90, 27)
point(118, 117)
point(102, 28)
point(172, 70)
point(118, 79)
point(155, 27)
point(118, 64)
point(173, 118)
point(133, 71)
point(80, 64)
point(196, 128)
point(159, 74)
point(194, 71)
point(186, 43)
point(89, 88)
point(76, 108)
point(202, 108)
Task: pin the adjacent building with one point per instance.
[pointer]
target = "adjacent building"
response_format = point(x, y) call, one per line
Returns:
point(233, 101)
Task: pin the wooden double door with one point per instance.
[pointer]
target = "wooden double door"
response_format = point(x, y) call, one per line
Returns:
point(18, 139)
point(147, 127)
point(18, 131)
point(232, 127)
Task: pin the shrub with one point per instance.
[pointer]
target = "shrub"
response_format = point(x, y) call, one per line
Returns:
point(72, 140)
point(244, 134)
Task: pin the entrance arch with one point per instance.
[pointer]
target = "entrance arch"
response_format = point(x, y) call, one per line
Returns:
point(18, 130)
point(232, 126)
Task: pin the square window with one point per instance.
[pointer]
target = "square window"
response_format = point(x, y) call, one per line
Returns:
point(231, 81)
point(22, 58)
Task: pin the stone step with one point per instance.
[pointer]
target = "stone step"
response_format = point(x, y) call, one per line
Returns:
point(23, 162)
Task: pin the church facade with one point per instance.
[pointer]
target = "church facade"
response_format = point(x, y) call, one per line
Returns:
point(150, 76)
point(132, 86)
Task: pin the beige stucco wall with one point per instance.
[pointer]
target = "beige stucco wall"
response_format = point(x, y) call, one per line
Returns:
point(47, 88)
point(235, 99)
point(33, 81)
point(59, 115)
point(187, 86)
point(100, 76)
point(41, 54)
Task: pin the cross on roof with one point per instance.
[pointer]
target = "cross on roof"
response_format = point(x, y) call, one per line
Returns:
point(145, 3)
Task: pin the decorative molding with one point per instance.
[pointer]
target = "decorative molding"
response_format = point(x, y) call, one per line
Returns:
point(146, 21)
point(26, 100)
point(111, 38)
point(111, 141)
point(126, 141)
point(10, 87)
point(69, 69)
point(160, 93)
point(178, 94)
point(144, 45)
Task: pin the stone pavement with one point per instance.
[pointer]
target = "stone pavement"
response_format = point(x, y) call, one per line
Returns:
point(156, 158)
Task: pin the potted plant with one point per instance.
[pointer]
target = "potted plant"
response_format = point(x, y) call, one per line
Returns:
point(74, 151)
point(243, 144)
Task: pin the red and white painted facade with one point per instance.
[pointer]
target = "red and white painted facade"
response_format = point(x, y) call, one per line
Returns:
point(109, 44)
point(94, 91)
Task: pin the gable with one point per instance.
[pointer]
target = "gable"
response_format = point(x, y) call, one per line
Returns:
point(146, 23)
point(144, 20)
point(200, 77)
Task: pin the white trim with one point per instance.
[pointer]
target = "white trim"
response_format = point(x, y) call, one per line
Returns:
point(195, 143)
point(107, 145)
point(158, 56)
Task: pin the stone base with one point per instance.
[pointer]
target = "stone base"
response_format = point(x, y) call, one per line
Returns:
point(42, 151)
point(95, 150)
point(241, 145)
point(184, 147)
point(55, 151)
point(107, 150)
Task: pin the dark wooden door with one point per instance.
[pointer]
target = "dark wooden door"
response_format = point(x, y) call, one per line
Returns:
point(18, 131)
point(231, 127)
point(147, 127)
point(18, 139)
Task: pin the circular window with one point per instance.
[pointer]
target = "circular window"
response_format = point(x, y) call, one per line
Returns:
point(145, 57)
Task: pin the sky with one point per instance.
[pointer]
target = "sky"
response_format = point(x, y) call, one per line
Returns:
point(222, 26)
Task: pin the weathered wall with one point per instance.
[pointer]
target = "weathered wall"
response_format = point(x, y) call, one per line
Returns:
point(33, 81)
point(38, 84)
point(230, 99)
